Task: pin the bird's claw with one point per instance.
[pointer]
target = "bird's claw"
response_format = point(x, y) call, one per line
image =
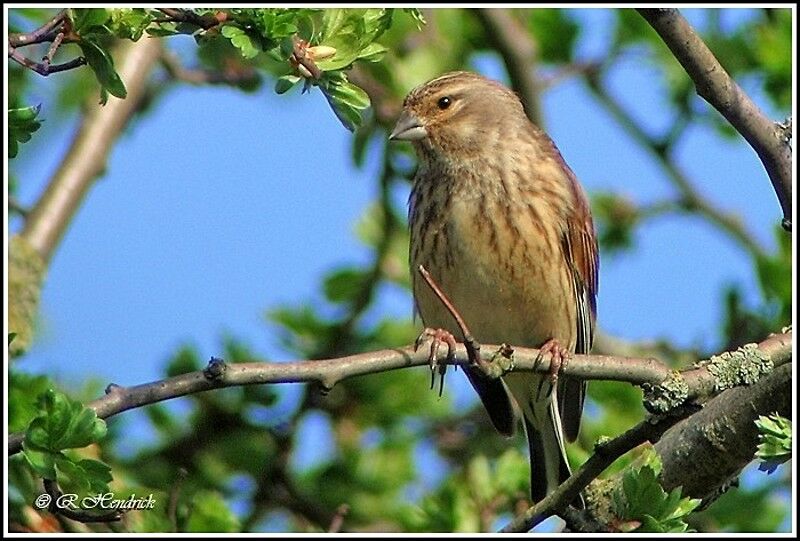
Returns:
point(437, 336)
point(559, 357)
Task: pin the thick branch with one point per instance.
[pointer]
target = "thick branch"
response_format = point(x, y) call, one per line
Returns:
point(701, 455)
point(86, 157)
point(698, 381)
point(718, 88)
point(519, 53)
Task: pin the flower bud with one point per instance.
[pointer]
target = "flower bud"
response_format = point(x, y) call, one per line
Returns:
point(321, 52)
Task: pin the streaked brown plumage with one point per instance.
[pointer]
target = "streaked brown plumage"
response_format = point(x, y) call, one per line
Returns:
point(504, 228)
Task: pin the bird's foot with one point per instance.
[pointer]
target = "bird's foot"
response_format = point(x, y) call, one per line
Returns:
point(437, 337)
point(559, 357)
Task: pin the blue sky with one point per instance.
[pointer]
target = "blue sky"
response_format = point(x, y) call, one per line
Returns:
point(219, 205)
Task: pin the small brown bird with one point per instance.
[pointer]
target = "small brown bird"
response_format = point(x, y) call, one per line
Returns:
point(503, 226)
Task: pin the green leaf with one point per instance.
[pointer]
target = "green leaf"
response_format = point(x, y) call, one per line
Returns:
point(129, 23)
point(23, 389)
point(240, 40)
point(84, 19)
point(616, 217)
point(22, 122)
point(63, 423)
point(185, 360)
point(103, 66)
point(417, 16)
point(775, 437)
point(210, 513)
point(479, 477)
point(42, 462)
point(374, 52)
point(555, 34)
point(351, 32)
point(347, 101)
point(642, 499)
point(85, 477)
point(344, 284)
point(286, 83)
point(512, 472)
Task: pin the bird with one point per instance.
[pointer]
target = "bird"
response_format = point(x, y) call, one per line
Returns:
point(503, 226)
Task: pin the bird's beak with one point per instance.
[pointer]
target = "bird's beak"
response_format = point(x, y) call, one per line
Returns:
point(408, 128)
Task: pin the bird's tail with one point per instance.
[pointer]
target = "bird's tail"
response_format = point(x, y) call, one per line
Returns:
point(549, 465)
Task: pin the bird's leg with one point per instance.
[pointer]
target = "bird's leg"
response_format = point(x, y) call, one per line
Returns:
point(437, 336)
point(559, 357)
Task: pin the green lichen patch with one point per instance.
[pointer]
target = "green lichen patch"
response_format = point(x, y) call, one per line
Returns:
point(667, 395)
point(744, 366)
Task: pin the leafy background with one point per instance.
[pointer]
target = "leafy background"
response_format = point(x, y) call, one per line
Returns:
point(245, 224)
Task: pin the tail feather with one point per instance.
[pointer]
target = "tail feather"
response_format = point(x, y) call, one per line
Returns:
point(549, 466)
point(548, 457)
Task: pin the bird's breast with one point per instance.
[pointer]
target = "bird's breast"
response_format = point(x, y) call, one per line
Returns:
point(497, 255)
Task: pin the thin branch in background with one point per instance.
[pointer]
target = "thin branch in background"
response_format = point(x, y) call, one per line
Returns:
point(45, 68)
point(242, 74)
point(338, 518)
point(519, 52)
point(174, 494)
point(574, 69)
point(691, 199)
point(15, 206)
point(86, 158)
point(715, 86)
point(204, 21)
point(40, 35)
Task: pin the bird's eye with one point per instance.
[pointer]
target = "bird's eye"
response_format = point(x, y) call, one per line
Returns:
point(444, 102)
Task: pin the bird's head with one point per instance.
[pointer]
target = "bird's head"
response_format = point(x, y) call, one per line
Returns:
point(459, 113)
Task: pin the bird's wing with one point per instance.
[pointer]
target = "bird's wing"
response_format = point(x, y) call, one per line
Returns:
point(581, 252)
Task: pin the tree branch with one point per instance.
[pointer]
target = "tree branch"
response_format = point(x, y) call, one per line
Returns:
point(691, 199)
point(605, 454)
point(702, 380)
point(44, 33)
point(86, 157)
point(519, 53)
point(715, 86)
point(705, 453)
point(45, 68)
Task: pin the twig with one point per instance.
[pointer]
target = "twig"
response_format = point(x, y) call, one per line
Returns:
point(519, 53)
point(715, 86)
point(605, 454)
point(338, 518)
point(51, 51)
point(588, 68)
point(691, 199)
point(637, 371)
point(40, 35)
point(243, 74)
point(15, 206)
point(43, 68)
point(174, 493)
point(299, 58)
point(472, 345)
point(86, 158)
point(205, 21)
